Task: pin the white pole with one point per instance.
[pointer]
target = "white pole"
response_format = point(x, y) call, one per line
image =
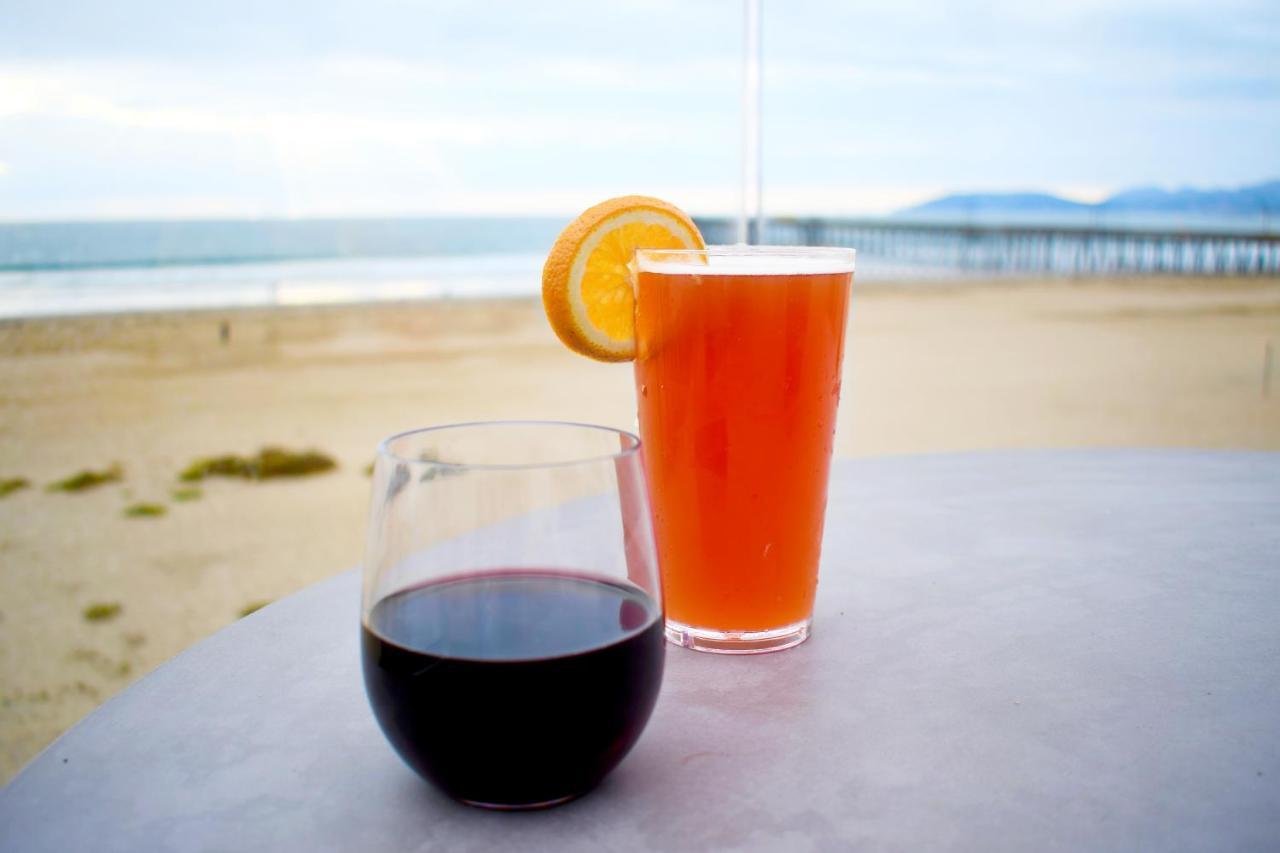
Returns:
point(752, 189)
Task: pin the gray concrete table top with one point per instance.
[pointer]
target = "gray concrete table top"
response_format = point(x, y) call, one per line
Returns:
point(1074, 650)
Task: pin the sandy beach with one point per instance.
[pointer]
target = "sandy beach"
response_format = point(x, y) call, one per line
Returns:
point(1177, 363)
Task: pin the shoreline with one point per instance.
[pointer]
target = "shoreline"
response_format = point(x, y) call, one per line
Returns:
point(883, 287)
point(286, 312)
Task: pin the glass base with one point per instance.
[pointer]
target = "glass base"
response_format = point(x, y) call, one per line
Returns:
point(737, 642)
point(519, 807)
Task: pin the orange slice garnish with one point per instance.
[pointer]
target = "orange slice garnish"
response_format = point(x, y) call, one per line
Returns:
point(587, 287)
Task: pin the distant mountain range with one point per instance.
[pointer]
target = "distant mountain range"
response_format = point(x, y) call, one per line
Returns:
point(1260, 199)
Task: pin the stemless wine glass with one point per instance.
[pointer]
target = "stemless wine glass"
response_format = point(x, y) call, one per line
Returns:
point(512, 619)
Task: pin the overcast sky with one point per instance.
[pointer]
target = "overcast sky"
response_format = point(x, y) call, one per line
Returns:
point(357, 107)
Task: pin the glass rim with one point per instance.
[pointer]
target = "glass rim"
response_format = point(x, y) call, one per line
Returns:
point(744, 260)
point(742, 249)
point(632, 447)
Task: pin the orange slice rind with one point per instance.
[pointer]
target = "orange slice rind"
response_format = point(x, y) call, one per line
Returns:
point(587, 282)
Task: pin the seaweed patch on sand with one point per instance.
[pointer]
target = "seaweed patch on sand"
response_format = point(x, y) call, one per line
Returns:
point(102, 611)
point(252, 607)
point(269, 463)
point(87, 479)
point(9, 485)
point(103, 664)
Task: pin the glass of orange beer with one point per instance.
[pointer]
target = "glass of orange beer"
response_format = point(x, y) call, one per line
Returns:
point(738, 366)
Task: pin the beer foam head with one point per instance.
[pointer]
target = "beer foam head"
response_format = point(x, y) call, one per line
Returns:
point(746, 260)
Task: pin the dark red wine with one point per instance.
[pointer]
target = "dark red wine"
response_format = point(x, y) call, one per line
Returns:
point(514, 687)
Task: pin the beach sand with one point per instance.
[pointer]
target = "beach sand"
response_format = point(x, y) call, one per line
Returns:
point(928, 368)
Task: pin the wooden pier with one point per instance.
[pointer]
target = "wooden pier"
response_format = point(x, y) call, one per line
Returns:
point(1053, 250)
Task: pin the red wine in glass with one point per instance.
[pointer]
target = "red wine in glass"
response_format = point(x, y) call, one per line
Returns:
point(514, 687)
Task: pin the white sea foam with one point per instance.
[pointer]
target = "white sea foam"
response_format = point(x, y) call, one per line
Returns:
point(95, 291)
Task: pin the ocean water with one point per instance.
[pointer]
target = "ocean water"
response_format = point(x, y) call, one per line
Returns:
point(93, 267)
point(92, 290)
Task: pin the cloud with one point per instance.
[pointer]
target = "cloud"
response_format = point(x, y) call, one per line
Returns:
point(372, 107)
point(90, 95)
point(899, 75)
point(315, 148)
